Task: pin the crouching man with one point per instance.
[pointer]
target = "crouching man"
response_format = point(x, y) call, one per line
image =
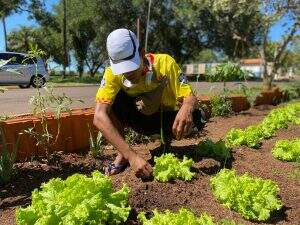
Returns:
point(136, 91)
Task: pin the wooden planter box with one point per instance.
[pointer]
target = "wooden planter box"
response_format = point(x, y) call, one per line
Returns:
point(239, 103)
point(73, 135)
point(272, 97)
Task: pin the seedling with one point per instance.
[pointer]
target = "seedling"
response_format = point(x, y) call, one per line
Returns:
point(96, 144)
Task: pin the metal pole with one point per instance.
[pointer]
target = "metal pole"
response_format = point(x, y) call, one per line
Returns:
point(147, 28)
point(138, 29)
point(5, 34)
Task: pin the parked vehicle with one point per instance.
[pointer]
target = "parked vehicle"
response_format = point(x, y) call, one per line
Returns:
point(19, 69)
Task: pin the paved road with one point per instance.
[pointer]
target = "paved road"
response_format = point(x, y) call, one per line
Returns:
point(15, 101)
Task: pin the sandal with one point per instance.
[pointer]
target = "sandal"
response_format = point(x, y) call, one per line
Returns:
point(113, 169)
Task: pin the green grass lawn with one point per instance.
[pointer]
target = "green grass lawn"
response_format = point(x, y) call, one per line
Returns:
point(72, 80)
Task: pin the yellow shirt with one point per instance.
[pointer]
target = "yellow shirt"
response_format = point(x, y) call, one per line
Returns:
point(162, 65)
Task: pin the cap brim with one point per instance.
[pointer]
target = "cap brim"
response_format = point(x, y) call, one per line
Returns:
point(126, 65)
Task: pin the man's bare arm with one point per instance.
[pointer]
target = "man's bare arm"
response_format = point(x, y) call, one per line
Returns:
point(104, 123)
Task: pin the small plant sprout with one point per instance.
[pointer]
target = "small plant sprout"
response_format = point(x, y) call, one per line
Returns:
point(96, 144)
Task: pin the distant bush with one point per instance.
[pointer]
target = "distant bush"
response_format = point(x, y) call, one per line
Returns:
point(226, 72)
point(221, 106)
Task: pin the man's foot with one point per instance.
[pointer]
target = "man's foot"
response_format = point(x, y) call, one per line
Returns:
point(118, 166)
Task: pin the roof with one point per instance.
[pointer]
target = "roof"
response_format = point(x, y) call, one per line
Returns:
point(257, 61)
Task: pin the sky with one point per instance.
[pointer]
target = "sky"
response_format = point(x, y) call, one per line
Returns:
point(15, 21)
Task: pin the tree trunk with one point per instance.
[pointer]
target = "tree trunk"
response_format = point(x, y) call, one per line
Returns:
point(92, 73)
point(5, 33)
point(80, 67)
point(65, 37)
point(267, 78)
point(267, 82)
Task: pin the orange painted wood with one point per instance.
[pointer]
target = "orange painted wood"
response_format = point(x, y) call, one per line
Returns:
point(13, 128)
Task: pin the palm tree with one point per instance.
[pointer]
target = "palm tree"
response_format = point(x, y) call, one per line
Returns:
point(20, 40)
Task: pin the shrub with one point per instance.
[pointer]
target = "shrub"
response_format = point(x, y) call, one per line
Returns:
point(221, 106)
point(228, 71)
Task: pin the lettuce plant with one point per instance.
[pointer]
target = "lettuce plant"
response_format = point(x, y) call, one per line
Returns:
point(287, 150)
point(182, 217)
point(213, 149)
point(253, 198)
point(168, 167)
point(77, 200)
point(253, 135)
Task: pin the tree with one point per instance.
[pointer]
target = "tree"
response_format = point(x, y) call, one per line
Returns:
point(274, 11)
point(207, 56)
point(82, 37)
point(20, 40)
point(6, 8)
point(224, 25)
point(51, 35)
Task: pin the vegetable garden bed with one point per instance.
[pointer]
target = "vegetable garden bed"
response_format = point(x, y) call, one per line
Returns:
point(195, 195)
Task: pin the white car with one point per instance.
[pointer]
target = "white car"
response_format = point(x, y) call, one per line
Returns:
point(19, 69)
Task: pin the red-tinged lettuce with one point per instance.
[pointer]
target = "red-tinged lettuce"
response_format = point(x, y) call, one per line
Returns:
point(182, 217)
point(287, 150)
point(253, 198)
point(168, 167)
point(77, 200)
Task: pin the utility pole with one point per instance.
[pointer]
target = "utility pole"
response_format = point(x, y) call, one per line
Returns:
point(5, 33)
point(147, 27)
point(65, 38)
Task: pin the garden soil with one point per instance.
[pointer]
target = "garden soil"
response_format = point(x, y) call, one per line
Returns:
point(195, 195)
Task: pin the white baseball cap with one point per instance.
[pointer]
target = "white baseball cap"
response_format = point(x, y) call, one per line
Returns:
point(123, 51)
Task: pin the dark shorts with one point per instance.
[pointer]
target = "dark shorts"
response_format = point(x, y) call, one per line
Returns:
point(125, 110)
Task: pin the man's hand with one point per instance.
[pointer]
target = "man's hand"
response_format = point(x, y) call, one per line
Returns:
point(141, 167)
point(184, 119)
point(183, 122)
